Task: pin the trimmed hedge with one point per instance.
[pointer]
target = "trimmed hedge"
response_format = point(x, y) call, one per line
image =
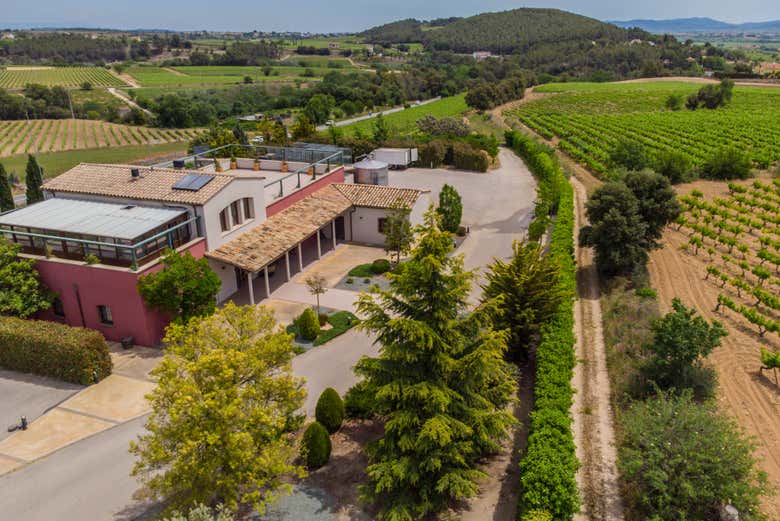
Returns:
point(316, 446)
point(308, 325)
point(71, 354)
point(548, 468)
point(380, 266)
point(466, 157)
point(330, 410)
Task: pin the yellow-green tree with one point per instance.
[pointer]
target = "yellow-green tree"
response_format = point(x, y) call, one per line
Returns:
point(223, 413)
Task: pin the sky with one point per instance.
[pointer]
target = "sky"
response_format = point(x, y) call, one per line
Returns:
point(323, 16)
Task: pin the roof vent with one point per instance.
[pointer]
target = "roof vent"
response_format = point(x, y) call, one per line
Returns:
point(178, 164)
point(135, 172)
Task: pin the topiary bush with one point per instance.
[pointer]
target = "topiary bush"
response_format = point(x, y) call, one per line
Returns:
point(71, 354)
point(380, 266)
point(308, 325)
point(466, 157)
point(432, 154)
point(316, 446)
point(330, 410)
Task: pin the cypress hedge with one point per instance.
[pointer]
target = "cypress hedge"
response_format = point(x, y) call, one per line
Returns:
point(330, 410)
point(71, 354)
point(316, 446)
point(550, 463)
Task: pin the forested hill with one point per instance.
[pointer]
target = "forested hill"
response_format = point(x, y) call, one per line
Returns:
point(505, 32)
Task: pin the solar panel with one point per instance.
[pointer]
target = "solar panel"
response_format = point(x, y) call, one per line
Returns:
point(193, 182)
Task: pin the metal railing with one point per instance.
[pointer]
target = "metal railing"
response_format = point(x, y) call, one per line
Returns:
point(309, 155)
point(113, 245)
point(332, 160)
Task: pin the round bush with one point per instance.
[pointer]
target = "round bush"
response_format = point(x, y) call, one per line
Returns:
point(380, 266)
point(330, 410)
point(308, 325)
point(316, 447)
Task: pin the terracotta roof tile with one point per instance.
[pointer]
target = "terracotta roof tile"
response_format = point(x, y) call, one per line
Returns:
point(377, 196)
point(152, 185)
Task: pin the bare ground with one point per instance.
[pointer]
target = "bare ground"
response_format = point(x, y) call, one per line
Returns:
point(594, 434)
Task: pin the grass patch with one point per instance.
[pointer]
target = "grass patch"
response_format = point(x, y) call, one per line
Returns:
point(341, 322)
point(362, 270)
point(55, 163)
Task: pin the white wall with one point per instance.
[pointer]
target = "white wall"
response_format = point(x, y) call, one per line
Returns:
point(238, 189)
point(365, 226)
point(420, 207)
point(227, 275)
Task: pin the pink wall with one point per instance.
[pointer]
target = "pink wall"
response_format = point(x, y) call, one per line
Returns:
point(337, 176)
point(115, 288)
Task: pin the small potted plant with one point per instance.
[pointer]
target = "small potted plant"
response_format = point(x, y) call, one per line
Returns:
point(217, 166)
point(256, 166)
point(284, 166)
point(233, 162)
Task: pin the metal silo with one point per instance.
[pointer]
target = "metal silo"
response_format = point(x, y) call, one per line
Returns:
point(371, 172)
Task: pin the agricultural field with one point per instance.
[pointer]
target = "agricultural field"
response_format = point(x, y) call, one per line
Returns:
point(723, 258)
point(55, 163)
point(219, 74)
point(18, 77)
point(588, 120)
point(404, 123)
point(345, 42)
point(53, 135)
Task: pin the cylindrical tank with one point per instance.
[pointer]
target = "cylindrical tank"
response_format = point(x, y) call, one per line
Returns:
point(371, 172)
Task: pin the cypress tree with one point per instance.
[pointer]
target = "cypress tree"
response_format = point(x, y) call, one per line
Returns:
point(440, 380)
point(34, 175)
point(6, 196)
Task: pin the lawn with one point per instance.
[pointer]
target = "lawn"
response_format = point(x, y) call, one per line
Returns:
point(404, 123)
point(18, 77)
point(224, 74)
point(589, 119)
point(340, 322)
point(55, 163)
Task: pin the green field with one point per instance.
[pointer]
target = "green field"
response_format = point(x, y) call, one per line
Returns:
point(55, 163)
point(590, 119)
point(18, 77)
point(403, 123)
point(220, 74)
point(345, 42)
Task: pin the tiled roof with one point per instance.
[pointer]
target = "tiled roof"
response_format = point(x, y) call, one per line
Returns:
point(253, 250)
point(376, 196)
point(154, 184)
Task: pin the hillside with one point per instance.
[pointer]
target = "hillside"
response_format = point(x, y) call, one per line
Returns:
point(699, 25)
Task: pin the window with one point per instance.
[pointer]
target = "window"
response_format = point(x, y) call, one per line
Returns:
point(249, 208)
point(58, 308)
point(224, 220)
point(381, 223)
point(235, 212)
point(105, 315)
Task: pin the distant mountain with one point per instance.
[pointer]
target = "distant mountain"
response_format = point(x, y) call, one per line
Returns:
point(698, 25)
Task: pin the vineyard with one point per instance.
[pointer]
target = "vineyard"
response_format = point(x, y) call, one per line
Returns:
point(740, 237)
point(18, 77)
point(588, 120)
point(404, 123)
point(148, 76)
point(52, 135)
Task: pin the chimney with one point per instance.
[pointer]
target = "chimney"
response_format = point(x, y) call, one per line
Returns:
point(135, 173)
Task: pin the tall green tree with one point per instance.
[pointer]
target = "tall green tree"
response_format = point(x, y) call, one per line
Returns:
point(186, 287)
point(450, 208)
point(303, 127)
point(240, 135)
point(657, 200)
point(319, 107)
point(529, 294)
point(21, 292)
point(6, 195)
point(440, 380)
point(683, 460)
point(223, 411)
point(629, 154)
point(616, 230)
point(34, 179)
point(681, 342)
point(381, 130)
point(399, 234)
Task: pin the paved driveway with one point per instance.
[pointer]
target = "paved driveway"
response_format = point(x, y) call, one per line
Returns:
point(29, 395)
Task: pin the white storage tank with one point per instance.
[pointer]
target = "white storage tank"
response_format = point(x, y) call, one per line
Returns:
point(371, 172)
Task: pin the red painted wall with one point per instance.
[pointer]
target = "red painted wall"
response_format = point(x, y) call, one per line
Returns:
point(337, 176)
point(116, 288)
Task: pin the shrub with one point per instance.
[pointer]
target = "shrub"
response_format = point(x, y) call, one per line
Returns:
point(308, 325)
point(367, 281)
point(71, 354)
point(322, 318)
point(431, 155)
point(316, 446)
point(466, 157)
point(673, 165)
point(380, 266)
point(630, 155)
point(350, 280)
point(727, 163)
point(359, 401)
point(330, 410)
point(537, 515)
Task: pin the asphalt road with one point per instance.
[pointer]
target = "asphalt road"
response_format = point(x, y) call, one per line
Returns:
point(344, 122)
point(90, 479)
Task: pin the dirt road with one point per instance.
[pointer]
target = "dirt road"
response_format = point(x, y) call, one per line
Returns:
point(592, 411)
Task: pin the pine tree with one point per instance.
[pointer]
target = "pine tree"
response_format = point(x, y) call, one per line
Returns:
point(450, 208)
point(6, 196)
point(34, 180)
point(440, 380)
